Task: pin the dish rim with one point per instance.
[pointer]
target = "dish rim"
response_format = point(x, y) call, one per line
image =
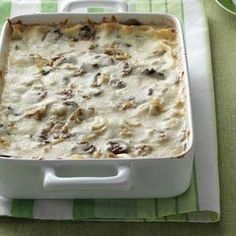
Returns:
point(182, 55)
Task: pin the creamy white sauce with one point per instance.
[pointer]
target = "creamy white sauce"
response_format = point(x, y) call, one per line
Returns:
point(62, 90)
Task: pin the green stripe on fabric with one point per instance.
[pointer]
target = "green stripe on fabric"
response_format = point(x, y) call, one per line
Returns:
point(83, 209)
point(146, 208)
point(177, 218)
point(142, 6)
point(150, 5)
point(131, 5)
point(48, 6)
point(196, 187)
point(182, 11)
point(22, 208)
point(161, 219)
point(167, 206)
point(5, 10)
point(166, 6)
point(176, 205)
point(187, 202)
point(174, 8)
point(158, 6)
point(115, 208)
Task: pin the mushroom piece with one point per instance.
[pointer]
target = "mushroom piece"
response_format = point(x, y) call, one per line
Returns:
point(12, 110)
point(37, 113)
point(47, 129)
point(153, 73)
point(95, 92)
point(38, 60)
point(150, 91)
point(122, 56)
point(59, 110)
point(128, 104)
point(104, 78)
point(77, 115)
point(92, 46)
point(79, 72)
point(84, 148)
point(58, 33)
point(70, 103)
point(126, 132)
point(116, 83)
point(179, 104)
point(143, 150)
point(44, 72)
point(99, 126)
point(86, 32)
point(155, 106)
point(111, 50)
point(132, 123)
point(42, 95)
point(127, 68)
point(117, 53)
point(160, 51)
point(43, 139)
point(117, 147)
point(66, 93)
point(95, 80)
point(90, 112)
point(149, 71)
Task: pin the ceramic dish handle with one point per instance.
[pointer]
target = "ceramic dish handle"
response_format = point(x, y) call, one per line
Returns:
point(118, 5)
point(120, 181)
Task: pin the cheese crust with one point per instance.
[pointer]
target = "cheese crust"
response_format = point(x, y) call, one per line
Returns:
point(107, 90)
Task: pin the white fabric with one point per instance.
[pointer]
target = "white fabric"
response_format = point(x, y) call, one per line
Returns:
point(199, 61)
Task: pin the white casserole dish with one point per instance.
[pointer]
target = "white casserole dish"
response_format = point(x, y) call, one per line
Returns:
point(118, 178)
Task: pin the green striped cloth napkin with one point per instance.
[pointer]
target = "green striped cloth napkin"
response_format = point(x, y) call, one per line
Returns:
point(201, 201)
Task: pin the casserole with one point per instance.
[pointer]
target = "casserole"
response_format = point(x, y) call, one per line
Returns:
point(86, 178)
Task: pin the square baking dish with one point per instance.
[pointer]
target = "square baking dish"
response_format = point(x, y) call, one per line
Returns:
point(105, 178)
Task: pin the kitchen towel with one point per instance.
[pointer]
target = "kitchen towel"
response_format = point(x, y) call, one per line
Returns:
point(200, 203)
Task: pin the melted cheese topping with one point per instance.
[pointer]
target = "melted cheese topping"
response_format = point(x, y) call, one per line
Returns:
point(93, 91)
